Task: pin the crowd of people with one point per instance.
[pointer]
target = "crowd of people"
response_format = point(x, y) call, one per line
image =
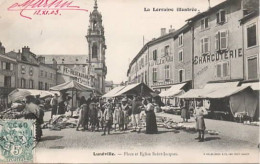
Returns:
point(95, 115)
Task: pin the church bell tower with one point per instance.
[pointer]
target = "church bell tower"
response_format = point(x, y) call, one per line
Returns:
point(96, 49)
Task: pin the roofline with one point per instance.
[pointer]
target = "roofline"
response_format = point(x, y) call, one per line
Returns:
point(253, 14)
point(158, 40)
point(212, 9)
point(8, 58)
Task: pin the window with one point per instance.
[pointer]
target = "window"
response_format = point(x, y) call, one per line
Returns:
point(221, 40)
point(181, 75)
point(7, 81)
point(204, 45)
point(204, 23)
point(23, 69)
point(167, 50)
point(251, 35)
point(31, 84)
point(7, 66)
point(154, 74)
point(31, 71)
point(40, 85)
point(167, 72)
point(94, 51)
point(252, 68)
point(222, 69)
point(46, 86)
point(23, 83)
point(42, 73)
point(180, 55)
point(154, 54)
point(221, 16)
point(46, 74)
point(180, 40)
point(145, 77)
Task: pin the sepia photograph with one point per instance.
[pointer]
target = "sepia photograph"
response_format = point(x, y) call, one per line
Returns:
point(129, 81)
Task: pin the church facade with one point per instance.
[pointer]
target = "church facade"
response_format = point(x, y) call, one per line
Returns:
point(89, 69)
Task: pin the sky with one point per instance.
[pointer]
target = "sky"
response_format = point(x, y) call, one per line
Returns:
point(125, 22)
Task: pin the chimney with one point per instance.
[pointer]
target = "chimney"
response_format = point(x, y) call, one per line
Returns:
point(2, 48)
point(163, 31)
point(25, 50)
point(171, 29)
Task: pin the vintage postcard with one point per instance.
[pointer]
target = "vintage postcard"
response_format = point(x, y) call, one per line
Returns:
point(129, 81)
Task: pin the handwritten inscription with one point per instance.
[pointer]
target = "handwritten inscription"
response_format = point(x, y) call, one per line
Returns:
point(43, 7)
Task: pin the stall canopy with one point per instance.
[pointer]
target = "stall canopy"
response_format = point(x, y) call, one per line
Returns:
point(208, 89)
point(112, 92)
point(254, 85)
point(72, 85)
point(135, 89)
point(20, 94)
point(173, 91)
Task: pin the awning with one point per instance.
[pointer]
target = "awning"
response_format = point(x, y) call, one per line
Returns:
point(173, 91)
point(113, 92)
point(20, 94)
point(208, 89)
point(72, 85)
point(195, 93)
point(254, 85)
point(214, 86)
point(225, 92)
point(135, 89)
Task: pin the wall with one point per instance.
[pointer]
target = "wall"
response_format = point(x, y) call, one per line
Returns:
point(51, 76)
point(26, 75)
point(161, 61)
point(204, 72)
point(252, 51)
point(186, 64)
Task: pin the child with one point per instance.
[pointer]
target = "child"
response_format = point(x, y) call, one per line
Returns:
point(117, 118)
point(100, 118)
point(108, 118)
point(199, 113)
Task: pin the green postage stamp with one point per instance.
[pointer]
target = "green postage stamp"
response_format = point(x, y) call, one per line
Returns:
point(17, 140)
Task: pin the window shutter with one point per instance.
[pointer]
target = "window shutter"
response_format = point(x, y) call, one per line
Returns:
point(217, 16)
point(218, 70)
point(162, 52)
point(217, 41)
point(201, 46)
point(11, 66)
point(202, 24)
point(227, 39)
point(225, 69)
point(223, 16)
point(4, 65)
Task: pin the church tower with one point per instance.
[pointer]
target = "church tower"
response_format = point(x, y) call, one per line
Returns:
point(96, 49)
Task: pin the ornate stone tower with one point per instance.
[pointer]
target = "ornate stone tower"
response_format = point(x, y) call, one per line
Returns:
point(96, 48)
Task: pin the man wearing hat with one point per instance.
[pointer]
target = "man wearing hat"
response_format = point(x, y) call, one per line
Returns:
point(136, 110)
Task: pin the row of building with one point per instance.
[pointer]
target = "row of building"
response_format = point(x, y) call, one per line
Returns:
point(24, 69)
point(220, 44)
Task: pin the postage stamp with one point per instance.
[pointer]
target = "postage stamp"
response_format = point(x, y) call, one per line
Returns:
point(17, 140)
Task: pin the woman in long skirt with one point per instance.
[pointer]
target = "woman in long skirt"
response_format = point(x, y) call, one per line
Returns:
point(199, 113)
point(151, 126)
point(185, 113)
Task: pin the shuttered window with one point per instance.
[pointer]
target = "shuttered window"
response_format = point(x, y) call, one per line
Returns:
point(252, 68)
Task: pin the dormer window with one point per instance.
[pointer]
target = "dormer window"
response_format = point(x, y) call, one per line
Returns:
point(221, 16)
point(204, 23)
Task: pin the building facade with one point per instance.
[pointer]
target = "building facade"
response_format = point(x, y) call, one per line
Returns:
point(218, 54)
point(220, 44)
point(250, 25)
point(153, 65)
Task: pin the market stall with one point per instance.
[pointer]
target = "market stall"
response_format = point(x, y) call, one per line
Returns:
point(112, 92)
point(140, 89)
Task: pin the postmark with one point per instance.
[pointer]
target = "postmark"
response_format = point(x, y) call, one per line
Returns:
point(17, 140)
